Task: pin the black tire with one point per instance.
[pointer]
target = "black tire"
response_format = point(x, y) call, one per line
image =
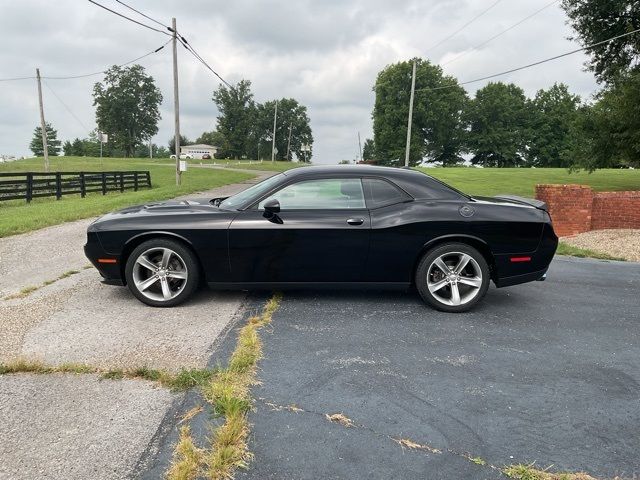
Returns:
point(475, 266)
point(181, 262)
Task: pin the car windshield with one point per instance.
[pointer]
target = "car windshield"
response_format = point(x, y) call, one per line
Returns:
point(255, 191)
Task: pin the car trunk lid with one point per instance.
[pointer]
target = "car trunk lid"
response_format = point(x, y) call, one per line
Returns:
point(515, 199)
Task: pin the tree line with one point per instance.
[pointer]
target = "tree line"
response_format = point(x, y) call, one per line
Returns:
point(500, 127)
point(127, 105)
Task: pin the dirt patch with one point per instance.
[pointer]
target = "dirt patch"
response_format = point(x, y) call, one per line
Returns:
point(623, 243)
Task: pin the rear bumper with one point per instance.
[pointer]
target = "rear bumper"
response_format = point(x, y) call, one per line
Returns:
point(511, 270)
point(524, 278)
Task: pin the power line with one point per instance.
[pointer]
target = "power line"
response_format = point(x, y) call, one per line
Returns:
point(144, 15)
point(523, 67)
point(466, 52)
point(89, 74)
point(463, 26)
point(191, 50)
point(16, 78)
point(67, 108)
point(129, 18)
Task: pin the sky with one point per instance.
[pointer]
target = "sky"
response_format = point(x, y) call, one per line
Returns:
point(324, 53)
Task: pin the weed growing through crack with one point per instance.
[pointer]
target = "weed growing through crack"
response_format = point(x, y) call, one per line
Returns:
point(340, 418)
point(410, 444)
point(528, 472)
point(187, 458)
point(26, 291)
point(180, 381)
point(228, 392)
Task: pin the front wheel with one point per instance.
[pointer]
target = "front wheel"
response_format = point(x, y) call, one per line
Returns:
point(452, 277)
point(162, 273)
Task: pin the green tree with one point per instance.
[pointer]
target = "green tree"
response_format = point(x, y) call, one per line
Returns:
point(369, 150)
point(236, 115)
point(438, 129)
point(78, 147)
point(127, 106)
point(292, 118)
point(67, 148)
point(212, 138)
point(611, 127)
point(160, 151)
point(554, 114)
point(172, 143)
point(53, 143)
point(499, 132)
point(598, 20)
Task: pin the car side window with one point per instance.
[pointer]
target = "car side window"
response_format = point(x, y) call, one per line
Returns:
point(325, 194)
point(381, 193)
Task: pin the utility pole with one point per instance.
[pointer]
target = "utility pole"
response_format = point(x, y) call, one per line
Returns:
point(273, 140)
point(43, 125)
point(360, 147)
point(150, 149)
point(410, 119)
point(176, 100)
point(289, 142)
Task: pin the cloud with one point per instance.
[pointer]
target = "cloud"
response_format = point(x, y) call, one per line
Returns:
point(326, 54)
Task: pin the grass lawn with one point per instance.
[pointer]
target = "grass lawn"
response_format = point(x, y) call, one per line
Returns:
point(522, 181)
point(265, 165)
point(566, 249)
point(16, 216)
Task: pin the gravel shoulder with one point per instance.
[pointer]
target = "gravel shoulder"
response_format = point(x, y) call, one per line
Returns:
point(80, 320)
point(76, 426)
point(621, 243)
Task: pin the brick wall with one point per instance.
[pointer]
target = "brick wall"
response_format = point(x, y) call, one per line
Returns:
point(576, 208)
point(615, 210)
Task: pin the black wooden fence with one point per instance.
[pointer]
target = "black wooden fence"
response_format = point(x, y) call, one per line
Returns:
point(30, 185)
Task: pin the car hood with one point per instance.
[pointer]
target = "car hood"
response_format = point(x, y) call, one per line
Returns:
point(170, 206)
point(157, 213)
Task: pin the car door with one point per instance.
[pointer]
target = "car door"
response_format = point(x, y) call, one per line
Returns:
point(392, 247)
point(321, 234)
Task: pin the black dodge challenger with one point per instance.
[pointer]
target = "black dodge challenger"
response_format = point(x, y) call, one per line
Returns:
point(338, 226)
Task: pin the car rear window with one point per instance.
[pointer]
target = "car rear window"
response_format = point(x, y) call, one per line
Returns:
point(381, 193)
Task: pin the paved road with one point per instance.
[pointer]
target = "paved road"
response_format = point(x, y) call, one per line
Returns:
point(32, 258)
point(546, 372)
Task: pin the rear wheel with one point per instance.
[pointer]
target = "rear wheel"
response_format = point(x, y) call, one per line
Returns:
point(452, 277)
point(162, 273)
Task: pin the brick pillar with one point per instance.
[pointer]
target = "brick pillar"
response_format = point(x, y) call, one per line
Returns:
point(570, 207)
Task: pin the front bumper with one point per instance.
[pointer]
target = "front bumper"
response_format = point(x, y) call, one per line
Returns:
point(111, 272)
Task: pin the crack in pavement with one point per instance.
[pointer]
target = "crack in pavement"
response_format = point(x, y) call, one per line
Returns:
point(346, 422)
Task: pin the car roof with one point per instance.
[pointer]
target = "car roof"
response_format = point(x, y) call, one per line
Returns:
point(416, 183)
point(350, 169)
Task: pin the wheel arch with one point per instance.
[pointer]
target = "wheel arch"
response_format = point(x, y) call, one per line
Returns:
point(472, 241)
point(136, 240)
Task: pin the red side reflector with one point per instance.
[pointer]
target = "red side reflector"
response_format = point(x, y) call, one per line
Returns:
point(520, 259)
point(107, 260)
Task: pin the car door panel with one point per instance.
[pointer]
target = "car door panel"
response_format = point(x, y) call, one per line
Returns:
point(299, 246)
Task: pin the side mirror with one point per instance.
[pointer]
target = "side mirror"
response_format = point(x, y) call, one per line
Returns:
point(271, 207)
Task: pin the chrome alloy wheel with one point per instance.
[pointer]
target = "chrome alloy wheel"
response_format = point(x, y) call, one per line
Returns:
point(454, 278)
point(160, 274)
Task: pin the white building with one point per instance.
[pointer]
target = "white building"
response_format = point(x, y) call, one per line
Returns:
point(198, 150)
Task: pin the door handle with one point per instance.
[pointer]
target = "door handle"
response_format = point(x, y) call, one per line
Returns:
point(355, 221)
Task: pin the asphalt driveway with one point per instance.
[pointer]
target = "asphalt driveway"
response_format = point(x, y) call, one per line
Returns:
point(546, 372)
